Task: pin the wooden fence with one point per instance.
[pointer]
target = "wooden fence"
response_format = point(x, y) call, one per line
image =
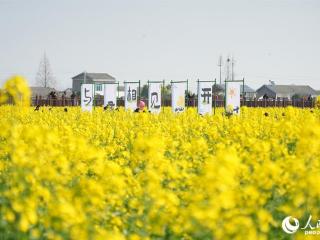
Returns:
point(301, 103)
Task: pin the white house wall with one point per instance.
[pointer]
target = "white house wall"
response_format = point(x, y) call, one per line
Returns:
point(119, 93)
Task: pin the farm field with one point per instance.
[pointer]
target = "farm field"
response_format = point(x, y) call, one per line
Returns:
point(122, 175)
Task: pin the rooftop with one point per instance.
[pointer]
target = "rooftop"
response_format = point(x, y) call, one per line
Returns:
point(95, 76)
point(41, 91)
point(291, 89)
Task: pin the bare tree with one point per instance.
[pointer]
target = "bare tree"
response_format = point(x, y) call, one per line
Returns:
point(44, 76)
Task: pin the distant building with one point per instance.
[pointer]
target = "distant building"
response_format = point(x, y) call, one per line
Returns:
point(68, 93)
point(94, 78)
point(249, 93)
point(285, 91)
point(42, 92)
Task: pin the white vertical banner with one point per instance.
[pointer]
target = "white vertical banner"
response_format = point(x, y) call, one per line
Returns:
point(204, 97)
point(131, 95)
point(87, 96)
point(110, 95)
point(154, 97)
point(178, 96)
point(233, 97)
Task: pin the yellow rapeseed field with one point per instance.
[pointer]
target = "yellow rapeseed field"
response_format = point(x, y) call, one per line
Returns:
point(123, 175)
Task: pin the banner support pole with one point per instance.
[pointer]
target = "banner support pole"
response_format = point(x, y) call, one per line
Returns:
point(118, 90)
point(162, 94)
point(148, 93)
point(139, 93)
point(225, 95)
point(94, 96)
point(243, 102)
point(187, 105)
point(214, 97)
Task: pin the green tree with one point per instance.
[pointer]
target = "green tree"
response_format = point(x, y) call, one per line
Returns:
point(144, 91)
point(166, 92)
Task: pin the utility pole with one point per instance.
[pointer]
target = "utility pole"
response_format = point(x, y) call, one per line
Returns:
point(45, 75)
point(85, 77)
point(220, 63)
point(232, 64)
point(228, 68)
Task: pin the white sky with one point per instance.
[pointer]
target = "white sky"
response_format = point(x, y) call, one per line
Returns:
point(164, 39)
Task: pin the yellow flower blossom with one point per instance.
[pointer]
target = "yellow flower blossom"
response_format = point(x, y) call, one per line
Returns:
point(118, 175)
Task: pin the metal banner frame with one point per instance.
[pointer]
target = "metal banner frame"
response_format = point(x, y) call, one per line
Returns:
point(139, 91)
point(109, 83)
point(225, 91)
point(213, 93)
point(93, 100)
point(162, 90)
point(185, 94)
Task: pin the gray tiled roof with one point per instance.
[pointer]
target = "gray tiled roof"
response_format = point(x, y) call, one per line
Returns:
point(95, 76)
point(67, 93)
point(41, 91)
point(292, 89)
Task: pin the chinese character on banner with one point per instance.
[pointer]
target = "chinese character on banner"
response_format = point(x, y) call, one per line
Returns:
point(131, 95)
point(155, 100)
point(87, 97)
point(134, 94)
point(233, 97)
point(206, 94)
point(178, 96)
point(110, 95)
point(154, 97)
point(204, 98)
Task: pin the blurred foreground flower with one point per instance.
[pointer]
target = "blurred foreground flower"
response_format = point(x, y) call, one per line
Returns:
point(17, 89)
